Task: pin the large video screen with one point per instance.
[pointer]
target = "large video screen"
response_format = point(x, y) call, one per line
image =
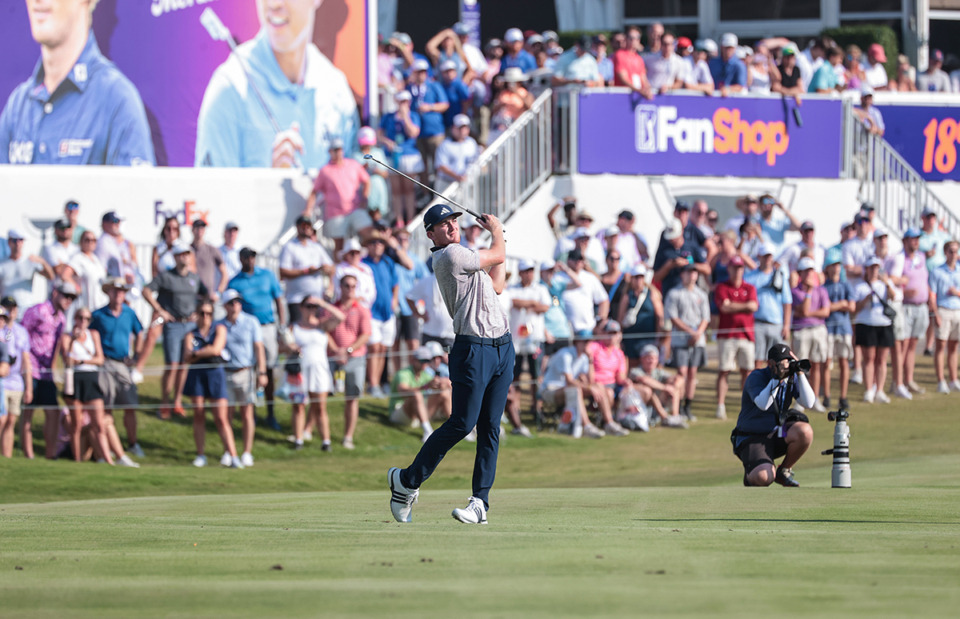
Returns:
point(155, 82)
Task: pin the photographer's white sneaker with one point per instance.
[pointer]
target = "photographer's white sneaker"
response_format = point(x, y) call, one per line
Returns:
point(473, 513)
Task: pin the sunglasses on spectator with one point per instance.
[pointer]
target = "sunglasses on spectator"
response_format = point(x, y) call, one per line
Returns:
point(713, 220)
point(205, 313)
point(88, 239)
point(311, 306)
point(614, 258)
point(83, 318)
point(71, 297)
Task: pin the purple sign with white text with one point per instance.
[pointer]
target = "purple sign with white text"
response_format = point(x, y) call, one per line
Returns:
point(926, 136)
point(621, 133)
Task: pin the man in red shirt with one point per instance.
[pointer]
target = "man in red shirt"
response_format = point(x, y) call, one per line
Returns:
point(345, 186)
point(737, 301)
point(629, 70)
point(347, 348)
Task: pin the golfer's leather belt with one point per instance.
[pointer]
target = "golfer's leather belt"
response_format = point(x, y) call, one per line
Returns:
point(486, 341)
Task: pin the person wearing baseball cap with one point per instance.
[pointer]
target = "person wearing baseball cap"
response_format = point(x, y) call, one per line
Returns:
point(17, 382)
point(577, 66)
point(934, 79)
point(736, 301)
point(516, 57)
point(451, 80)
point(944, 282)
point(457, 153)
point(875, 74)
point(768, 427)
point(207, 260)
point(530, 300)
point(869, 113)
point(774, 303)
point(728, 72)
point(873, 331)
point(378, 200)
point(839, 328)
point(932, 238)
point(674, 253)
point(429, 101)
point(687, 307)
point(639, 312)
point(807, 246)
point(19, 269)
point(229, 250)
point(918, 304)
point(811, 307)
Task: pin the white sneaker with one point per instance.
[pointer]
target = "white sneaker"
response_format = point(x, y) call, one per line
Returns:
point(901, 391)
point(721, 411)
point(235, 463)
point(200, 462)
point(869, 395)
point(471, 437)
point(125, 460)
point(914, 387)
point(401, 498)
point(955, 385)
point(615, 429)
point(675, 421)
point(225, 459)
point(819, 407)
point(246, 458)
point(882, 398)
point(592, 431)
point(135, 450)
point(136, 376)
point(857, 377)
point(398, 417)
point(473, 513)
point(308, 436)
point(348, 443)
point(522, 431)
point(426, 434)
point(942, 387)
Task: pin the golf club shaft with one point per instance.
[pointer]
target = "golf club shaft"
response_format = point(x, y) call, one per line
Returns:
point(433, 191)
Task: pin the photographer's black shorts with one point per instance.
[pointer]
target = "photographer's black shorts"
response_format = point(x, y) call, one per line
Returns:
point(762, 449)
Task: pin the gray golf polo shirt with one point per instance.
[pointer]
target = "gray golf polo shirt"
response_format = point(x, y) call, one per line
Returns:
point(468, 293)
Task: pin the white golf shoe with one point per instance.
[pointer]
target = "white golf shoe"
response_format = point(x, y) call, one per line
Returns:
point(473, 513)
point(401, 498)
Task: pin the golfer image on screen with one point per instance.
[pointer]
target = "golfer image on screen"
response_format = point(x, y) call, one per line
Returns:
point(307, 97)
point(481, 362)
point(77, 107)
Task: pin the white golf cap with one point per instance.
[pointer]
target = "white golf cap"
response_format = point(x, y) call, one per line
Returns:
point(806, 263)
point(351, 244)
point(874, 262)
point(639, 270)
point(514, 74)
point(546, 265)
point(67, 288)
point(230, 295)
point(513, 35)
point(534, 38)
point(467, 221)
point(866, 90)
point(435, 347)
point(729, 40)
point(403, 95)
point(674, 230)
point(461, 120)
point(766, 250)
point(420, 65)
point(879, 234)
point(231, 225)
point(15, 235)
point(927, 210)
point(424, 354)
point(611, 231)
point(447, 65)
point(526, 265)
point(181, 248)
point(580, 233)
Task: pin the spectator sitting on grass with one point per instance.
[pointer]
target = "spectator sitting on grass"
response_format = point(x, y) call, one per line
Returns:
point(657, 386)
point(609, 366)
point(407, 401)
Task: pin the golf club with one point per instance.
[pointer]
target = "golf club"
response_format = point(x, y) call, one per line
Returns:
point(434, 192)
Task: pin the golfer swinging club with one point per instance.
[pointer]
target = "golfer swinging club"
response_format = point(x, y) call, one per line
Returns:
point(481, 362)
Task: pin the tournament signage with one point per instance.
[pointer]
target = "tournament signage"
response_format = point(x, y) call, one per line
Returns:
point(620, 133)
point(926, 136)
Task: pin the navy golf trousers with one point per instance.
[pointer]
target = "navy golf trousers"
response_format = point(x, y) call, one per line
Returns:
point(481, 374)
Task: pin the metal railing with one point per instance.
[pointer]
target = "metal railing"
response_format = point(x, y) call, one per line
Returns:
point(897, 191)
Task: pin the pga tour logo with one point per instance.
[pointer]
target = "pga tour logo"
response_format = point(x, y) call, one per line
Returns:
point(660, 130)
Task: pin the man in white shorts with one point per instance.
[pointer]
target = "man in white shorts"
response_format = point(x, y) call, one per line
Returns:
point(945, 285)
point(918, 304)
point(839, 329)
point(736, 301)
point(246, 366)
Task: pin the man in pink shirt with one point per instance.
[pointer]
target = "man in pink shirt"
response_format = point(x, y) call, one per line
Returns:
point(347, 349)
point(345, 186)
point(609, 371)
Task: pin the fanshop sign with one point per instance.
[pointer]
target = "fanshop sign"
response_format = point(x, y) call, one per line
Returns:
point(707, 136)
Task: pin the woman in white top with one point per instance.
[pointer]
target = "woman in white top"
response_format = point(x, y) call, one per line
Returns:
point(874, 331)
point(89, 273)
point(162, 260)
point(310, 342)
point(762, 71)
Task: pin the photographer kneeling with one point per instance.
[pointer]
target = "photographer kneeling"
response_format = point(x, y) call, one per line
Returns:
point(767, 428)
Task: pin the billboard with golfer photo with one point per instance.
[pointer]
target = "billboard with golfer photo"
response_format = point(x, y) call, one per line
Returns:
point(217, 83)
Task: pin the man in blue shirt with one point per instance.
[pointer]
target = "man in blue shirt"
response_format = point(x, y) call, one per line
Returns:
point(945, 286)
point(260, 293)
point(458, 95)
point(729, 73)
point(430, 102)
point(774, 303)
point(839, 329)
point(516, 56)
point(673, 254)
point(117, 324)
point(246, 366)
point(76, 108)
point(383, 323)
point(308, 96)
point(767, 428)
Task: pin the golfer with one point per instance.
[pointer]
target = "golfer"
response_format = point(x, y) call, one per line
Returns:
point(481, 362)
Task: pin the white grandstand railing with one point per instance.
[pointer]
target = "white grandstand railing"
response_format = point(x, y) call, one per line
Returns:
point(897, 191)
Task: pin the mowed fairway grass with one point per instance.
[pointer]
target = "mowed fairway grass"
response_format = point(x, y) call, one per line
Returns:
point(646, 525)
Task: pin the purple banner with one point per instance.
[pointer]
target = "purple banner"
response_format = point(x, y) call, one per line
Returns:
point(708, 136)
point(470, 16)
point(926, 137)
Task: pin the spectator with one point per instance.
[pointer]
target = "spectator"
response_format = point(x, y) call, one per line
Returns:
point(807, 246)
point(874, 330)
point(629, 68)
point(410, 56)
point(162, 259)
point(207, 261)
point(581, 237)
point(640, 313)
point(869, 114)
point(230, 252)
point(775, 222)
point(429, 101)
point(906, 80)
point(71, 212)
point(458, 95)
point(748, 206)
point(59, 253)
point(932, 238)
point(699, 217)
point(378, 200)
point(655, 34)
point(117, 255)
point(774, 304)
point(88, 273)
point(345, 185)
point(471, 53)
point(631, 245)
point(858, 250)
point(811, 307)
point(17, 271)
point(425, 301)
point(121, 337)
point(945, 286)
point(692, 235)
point(383, 322)
point(556, 326)
point(825, 80)
point(788, 80)
point(471, 234)
point(260, 293)
point(510, 102)
point(721, 265)
point(762, 71)
point(516, 56)
point(245, 367)
point(839, 329)
point(873, 69)
point(613, 279)
point(736, 301)
point(347, 347)
point(609, 370)
point(673, 255)
point(892, 266)
point(204, 353)
point(303, 263)
point(44, 324)
point(17, 385)
point(688, 310)
point(698, 75)
point(173, 296)
point(918, 305)
point(456, 154)
point(399, 132)
point(407, 389)
point(445, 48)
point(577, 66)
point(657, 387)
point(665, 69)
point(579, 301)
point(598, 49)
point(562, 229)
point(934, 79)
point(853, 76)
point(389, 78)
point(408, 323)
point(569, 372)
point(530, 300)
point(728, 72)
